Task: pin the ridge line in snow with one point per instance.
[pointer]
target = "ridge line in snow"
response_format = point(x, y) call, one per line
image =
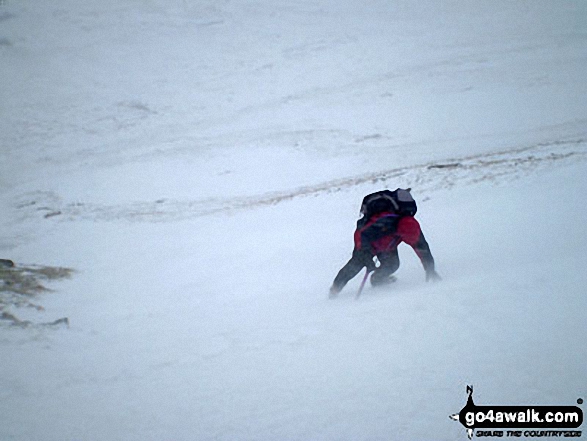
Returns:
point(427, 177)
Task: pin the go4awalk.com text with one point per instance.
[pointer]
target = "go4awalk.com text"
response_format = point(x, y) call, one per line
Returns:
point(520, 421)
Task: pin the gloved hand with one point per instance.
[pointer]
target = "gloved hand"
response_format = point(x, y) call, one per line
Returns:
point(367, 259)
point(432, 276)
point(370, 265)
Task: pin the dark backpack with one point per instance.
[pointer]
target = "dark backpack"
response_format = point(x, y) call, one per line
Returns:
point(399, 201)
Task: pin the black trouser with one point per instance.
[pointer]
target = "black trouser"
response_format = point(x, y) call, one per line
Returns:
point(389, 263)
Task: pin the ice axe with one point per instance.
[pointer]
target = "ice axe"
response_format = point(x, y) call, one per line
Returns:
point(363, 283)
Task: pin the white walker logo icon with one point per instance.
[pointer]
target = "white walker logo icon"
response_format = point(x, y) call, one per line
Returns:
point(474, 417)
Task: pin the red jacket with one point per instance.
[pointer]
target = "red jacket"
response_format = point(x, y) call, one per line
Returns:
point(383, 232)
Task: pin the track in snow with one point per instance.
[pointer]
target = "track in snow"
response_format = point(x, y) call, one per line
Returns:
point(502, 165)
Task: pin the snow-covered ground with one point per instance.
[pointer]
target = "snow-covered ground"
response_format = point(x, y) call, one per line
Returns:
point(200, 166)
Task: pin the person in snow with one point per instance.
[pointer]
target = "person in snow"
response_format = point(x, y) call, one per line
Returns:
point(388, 220)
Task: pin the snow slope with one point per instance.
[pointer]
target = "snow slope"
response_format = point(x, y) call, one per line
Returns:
point(200, 166)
